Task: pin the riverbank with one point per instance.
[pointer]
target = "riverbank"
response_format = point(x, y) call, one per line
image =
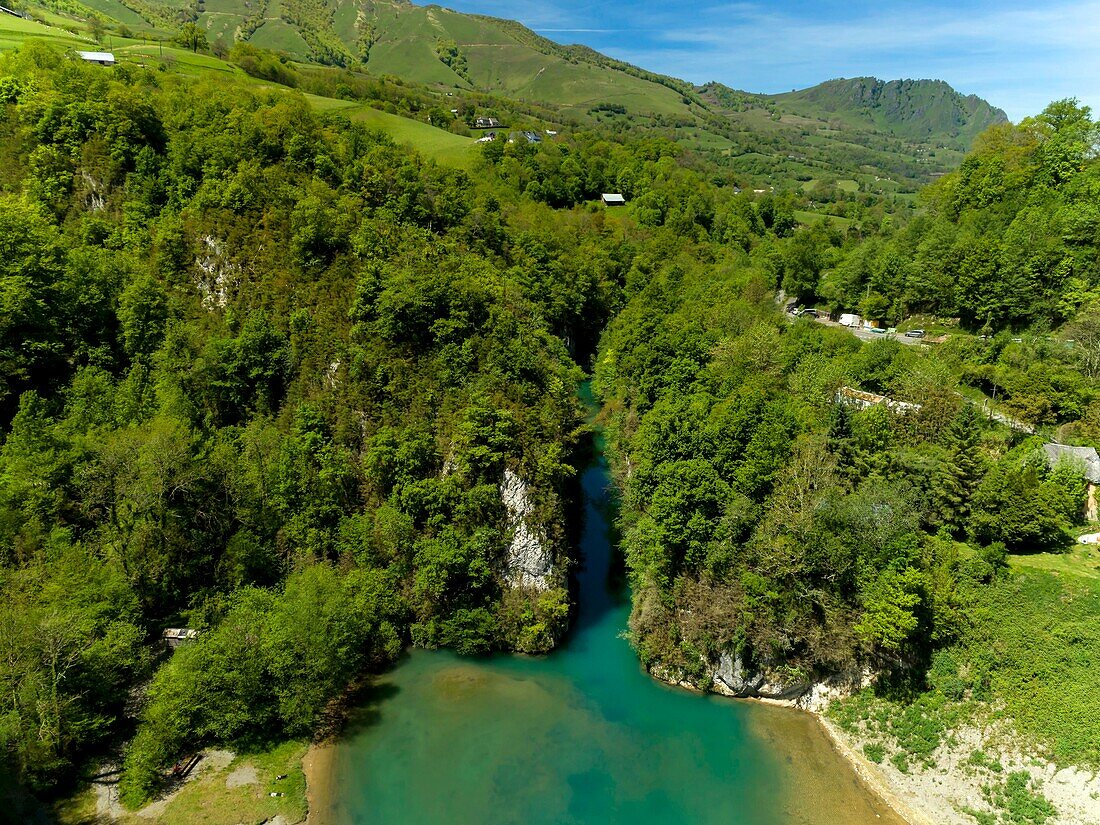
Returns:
point(870, 776)
point(317, 765)
point(979, 773)
point(879, 798)
point(968, 779)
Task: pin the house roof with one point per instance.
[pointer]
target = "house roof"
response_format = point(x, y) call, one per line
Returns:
point(612, 197)
point(1086, 456)
point(98, 57)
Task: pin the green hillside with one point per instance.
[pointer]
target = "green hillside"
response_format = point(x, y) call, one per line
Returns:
point(914, 109)
point(844, 138)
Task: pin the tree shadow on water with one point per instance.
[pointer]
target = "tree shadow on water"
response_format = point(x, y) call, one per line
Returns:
point(358, 710)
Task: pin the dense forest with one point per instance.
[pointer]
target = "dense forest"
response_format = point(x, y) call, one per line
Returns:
point(263, 375)
point(267, 375)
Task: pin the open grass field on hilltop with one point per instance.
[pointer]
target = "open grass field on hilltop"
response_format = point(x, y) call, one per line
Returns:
point(15, 30)
point(444, 147)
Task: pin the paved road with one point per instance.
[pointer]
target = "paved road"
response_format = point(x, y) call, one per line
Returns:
point(984, 406)
point(867, 335)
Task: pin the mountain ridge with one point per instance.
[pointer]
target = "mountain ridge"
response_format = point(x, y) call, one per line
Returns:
point(902, 106)
point(874, 136)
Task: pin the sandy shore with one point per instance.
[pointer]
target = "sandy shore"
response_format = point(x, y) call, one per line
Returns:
point(318, 765)
point(939, 794)
point(870, 776)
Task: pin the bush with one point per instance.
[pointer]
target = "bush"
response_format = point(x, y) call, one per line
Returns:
point(874, 751)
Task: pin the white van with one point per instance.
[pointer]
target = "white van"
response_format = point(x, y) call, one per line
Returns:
point(850, 320)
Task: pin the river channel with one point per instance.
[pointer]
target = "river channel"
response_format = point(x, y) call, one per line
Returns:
point(583, 735)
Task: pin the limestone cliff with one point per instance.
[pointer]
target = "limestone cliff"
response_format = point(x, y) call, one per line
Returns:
point(530, 559)
point(732, 678)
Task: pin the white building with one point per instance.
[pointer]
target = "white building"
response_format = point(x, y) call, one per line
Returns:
point(102, 58)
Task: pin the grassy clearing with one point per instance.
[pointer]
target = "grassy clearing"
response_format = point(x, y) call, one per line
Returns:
point(1030, 658)
point(1082, 560)
point(180, 60)
point(810, 218)
point(280, 37)
point(1041, 640)
point(330, 104)
point(210, 801)
point(14, 30)
point(115, 10)
point(445, 147)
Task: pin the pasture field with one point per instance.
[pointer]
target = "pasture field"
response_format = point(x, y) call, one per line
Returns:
point(444, 147)
point(14, 30)
point(810, 218)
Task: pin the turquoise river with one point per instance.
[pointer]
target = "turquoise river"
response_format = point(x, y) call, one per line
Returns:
point(580, 736)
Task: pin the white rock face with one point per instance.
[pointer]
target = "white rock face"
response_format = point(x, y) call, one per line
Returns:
point(732, 679)
point(219, 276)
point(530, 562)
point(94, 197)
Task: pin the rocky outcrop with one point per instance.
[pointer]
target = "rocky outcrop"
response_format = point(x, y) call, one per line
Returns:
point(732, 678)
point(219, 275)
point(530, 560)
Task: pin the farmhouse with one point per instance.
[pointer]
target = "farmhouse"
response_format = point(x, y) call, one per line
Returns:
point(102, 58)
point(530, 137)
point(1086, 459)
point(487, 123)
point(612, 199)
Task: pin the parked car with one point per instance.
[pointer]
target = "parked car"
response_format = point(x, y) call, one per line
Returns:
point(878, 330)
point(808, 313)
point(915, 333)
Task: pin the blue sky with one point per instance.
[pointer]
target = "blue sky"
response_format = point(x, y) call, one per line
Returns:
point(1019, 56)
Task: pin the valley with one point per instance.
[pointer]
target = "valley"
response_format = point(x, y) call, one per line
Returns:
point(399, 381)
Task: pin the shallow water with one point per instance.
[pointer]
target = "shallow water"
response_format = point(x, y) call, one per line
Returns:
point(582, 736)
